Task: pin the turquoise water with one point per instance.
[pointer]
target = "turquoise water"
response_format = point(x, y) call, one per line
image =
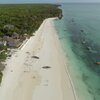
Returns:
point(79, 33)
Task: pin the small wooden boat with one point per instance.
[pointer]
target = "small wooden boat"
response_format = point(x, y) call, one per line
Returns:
point(98, 63)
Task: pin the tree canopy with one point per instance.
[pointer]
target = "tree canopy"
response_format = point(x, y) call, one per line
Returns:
point(25, 18)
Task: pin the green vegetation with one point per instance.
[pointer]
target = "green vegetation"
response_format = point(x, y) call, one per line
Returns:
point(2, 47)
point(25, 18)
point(3, 56)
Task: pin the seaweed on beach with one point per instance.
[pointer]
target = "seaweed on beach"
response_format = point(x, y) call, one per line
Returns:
point(1, 76)
point(46, 67)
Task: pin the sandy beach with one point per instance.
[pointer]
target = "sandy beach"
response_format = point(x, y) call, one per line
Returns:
point(36, 71)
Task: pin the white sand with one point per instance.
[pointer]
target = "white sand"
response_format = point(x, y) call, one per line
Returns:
point(25, 79)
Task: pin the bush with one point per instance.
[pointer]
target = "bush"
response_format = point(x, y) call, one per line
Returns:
point(3, 56)
point(1, 76)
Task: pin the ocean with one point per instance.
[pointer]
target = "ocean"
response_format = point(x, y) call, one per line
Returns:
point(79, 33)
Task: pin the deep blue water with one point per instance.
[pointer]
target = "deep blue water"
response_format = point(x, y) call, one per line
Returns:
point(79, 33)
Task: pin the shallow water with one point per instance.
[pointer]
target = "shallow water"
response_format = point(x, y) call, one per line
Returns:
point(79, 33)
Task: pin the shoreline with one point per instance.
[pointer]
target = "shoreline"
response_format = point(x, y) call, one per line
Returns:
point(25, 74)
point(66, 69)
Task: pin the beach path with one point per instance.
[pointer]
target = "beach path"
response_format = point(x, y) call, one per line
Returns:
point(37, 70)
